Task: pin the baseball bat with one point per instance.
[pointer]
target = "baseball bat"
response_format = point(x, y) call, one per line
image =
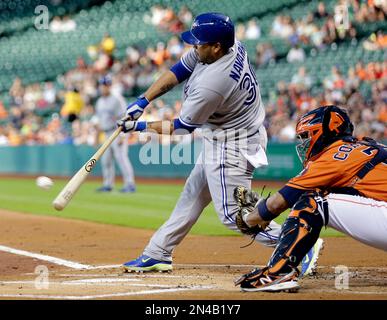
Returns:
point(69, 190)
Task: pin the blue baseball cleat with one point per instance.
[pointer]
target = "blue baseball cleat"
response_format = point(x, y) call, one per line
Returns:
point(146, 264)
point(128, 189)
point(309, 262)
point(104, 189)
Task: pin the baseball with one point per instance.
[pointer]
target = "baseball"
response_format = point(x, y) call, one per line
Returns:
point(44, 182)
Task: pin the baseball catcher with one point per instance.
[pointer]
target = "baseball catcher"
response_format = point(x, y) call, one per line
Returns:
point(342, 185)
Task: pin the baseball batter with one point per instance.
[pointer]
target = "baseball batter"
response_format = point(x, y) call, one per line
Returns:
point(343, 186)
point(221, 96)
point(108, 110)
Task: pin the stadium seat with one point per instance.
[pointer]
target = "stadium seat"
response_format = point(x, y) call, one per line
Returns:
point(37, 55)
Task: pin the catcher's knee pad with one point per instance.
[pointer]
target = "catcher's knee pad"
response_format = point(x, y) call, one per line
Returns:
point(299, 233)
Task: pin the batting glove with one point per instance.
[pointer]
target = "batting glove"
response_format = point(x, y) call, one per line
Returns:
point(136, 109)
point(128, 125)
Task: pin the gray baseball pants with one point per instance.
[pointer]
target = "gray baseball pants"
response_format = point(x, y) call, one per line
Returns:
point(213, 178)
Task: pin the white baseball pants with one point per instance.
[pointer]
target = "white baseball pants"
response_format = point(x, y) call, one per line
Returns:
point(363, 219)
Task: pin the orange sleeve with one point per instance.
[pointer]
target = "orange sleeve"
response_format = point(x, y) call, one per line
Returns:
point(337, 168)
point(318, 174)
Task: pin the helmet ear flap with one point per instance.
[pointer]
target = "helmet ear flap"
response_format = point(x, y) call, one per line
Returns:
point(351, 128)
point(335, 123)
point(326, 119)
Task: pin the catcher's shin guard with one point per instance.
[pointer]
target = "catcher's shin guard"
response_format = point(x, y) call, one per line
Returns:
point(299, 233)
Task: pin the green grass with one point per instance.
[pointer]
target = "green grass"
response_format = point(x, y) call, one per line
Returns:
point(148, 208)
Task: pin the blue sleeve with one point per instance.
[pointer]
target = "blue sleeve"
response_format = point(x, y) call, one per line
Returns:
point(291, 195)
point(180, 71)
point(140, 126)
point(179, 124)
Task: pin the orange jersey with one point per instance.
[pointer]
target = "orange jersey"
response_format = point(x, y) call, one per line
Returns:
point(337, 167)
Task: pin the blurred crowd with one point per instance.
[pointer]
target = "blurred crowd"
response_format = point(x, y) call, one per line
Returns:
point(318, 29)
point(61, 112)
point(65, 24)
point(165, 18)
point(367, 11)
point(368, 111)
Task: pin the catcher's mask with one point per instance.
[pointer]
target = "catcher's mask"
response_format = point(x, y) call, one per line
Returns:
point(319, 128)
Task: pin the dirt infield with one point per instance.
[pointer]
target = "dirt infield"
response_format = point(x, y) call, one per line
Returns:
point(205, 267)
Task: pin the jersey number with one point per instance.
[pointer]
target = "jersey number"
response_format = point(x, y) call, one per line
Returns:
point(249, 83)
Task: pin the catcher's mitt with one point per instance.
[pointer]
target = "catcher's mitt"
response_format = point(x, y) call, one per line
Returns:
point(247, 201)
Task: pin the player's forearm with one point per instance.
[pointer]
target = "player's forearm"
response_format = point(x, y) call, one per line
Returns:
point(160, 127)
point(162, 85)
point(164, 127)
point(276, 204)
point(267, 210)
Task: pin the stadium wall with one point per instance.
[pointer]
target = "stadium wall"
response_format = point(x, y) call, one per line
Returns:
point(158, 161)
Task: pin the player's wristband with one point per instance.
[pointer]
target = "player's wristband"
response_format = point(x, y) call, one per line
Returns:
point(264, 212)
point(142, 101)
point(141, 126)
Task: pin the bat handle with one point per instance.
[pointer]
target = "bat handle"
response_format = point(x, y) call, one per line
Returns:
point(127, 118)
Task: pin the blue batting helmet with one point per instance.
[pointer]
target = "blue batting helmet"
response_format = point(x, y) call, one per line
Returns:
point(211, 27)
